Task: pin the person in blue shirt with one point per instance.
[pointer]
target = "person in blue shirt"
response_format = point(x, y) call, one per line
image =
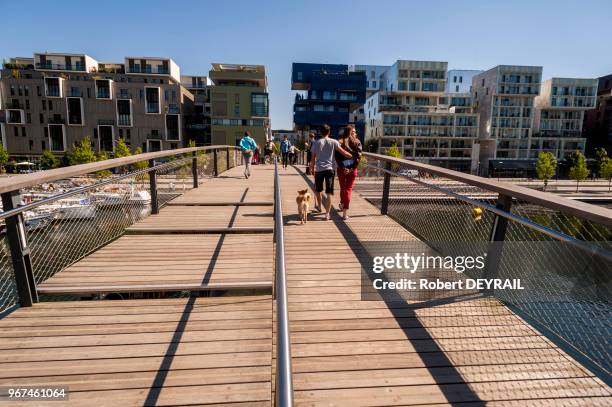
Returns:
point(248, 146)
point(285, 148)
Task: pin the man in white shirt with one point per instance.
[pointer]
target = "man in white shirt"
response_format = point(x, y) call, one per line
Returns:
point(323, 165)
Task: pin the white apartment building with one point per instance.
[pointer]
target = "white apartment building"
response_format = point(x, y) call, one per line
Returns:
point(413, 112)
point(559, 115)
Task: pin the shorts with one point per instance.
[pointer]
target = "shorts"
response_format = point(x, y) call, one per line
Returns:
point(326, 176)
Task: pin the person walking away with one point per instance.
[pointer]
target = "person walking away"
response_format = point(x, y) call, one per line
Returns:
point(311, 140)
point(248, 146)
point(347, 167)
point(285, 147)
point(323, 165)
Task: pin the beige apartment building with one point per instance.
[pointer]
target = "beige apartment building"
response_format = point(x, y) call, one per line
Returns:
point(413, 112)
point(239, 103)
point(559, 116)
point(54, 100)
point(504, 97)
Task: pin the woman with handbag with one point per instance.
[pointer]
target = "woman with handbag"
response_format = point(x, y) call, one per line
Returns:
point(347, 168)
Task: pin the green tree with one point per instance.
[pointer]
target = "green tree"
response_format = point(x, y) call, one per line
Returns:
point(606, 172)
point(48, 160)
point(394, 151)
point(4, 157)
point(81, 153)
point(601, 156)
point(121, 149)
point(103, 156)
point(546, 167)
point(579, 170)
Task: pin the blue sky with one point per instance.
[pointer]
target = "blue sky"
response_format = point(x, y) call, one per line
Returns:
point(570, 38)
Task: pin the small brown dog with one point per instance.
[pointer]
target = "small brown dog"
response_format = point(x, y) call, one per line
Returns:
point(303, 203)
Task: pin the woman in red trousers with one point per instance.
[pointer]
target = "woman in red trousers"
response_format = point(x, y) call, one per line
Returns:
point(347, 168)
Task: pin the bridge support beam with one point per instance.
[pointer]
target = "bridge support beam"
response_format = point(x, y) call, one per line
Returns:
point(215, 163)
point(194, 169)
point(153, 188)
point(384, 206)
point(20, 252)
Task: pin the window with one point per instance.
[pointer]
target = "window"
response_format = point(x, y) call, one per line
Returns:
point(12, 90)
point(44, 104)
point(26, 90)
point(259, 104)
point(374, 84)
point(27, 104)
point(50, 105)
point(152, 100)
point(237, 98)
point(23, 132)
point(300, 76)
point(454, 79)
point(456, 88)
point(461, 79)
point(41, 118)
point(74, 107)
point(173, 128)
point(105, 134)
point(38, 91)
point(53, 87)
point(124, 112)
point(237, 110)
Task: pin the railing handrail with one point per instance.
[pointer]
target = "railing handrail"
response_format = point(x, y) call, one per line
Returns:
point(17, 182)
point(80, 190)
point(583, 210)
point(284, 381)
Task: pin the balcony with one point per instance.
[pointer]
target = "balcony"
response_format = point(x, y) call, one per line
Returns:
point(49, 66)
point(148, 70)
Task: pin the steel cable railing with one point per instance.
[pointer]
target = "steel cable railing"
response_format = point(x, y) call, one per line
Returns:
point(52, 225)
point(284, 382)
point(560, 250)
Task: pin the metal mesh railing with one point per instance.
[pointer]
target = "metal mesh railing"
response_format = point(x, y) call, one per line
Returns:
point(90, 211)
point(8, 289)
point(565, 271)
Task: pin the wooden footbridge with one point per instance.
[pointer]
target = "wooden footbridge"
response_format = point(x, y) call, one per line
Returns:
point(218, 348)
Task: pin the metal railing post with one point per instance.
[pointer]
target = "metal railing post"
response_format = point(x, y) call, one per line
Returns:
point(384, 205)
point(194, 169)
point(153, 188)
point(284, 380)
point(227, 159)
point(20, 252)
point(497, 235)
point(215, 163)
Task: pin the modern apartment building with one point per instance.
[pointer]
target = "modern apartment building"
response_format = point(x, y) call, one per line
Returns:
point(197, 124)
point(559, 115)
point(598, 127)
point(460, 80)
point(504, 98)
point(329, 93)
point(413, 112)
point(239, 103)
point(373, 73)
point(53, 100)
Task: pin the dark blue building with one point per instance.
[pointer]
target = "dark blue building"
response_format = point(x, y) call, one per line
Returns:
point(332, 94)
